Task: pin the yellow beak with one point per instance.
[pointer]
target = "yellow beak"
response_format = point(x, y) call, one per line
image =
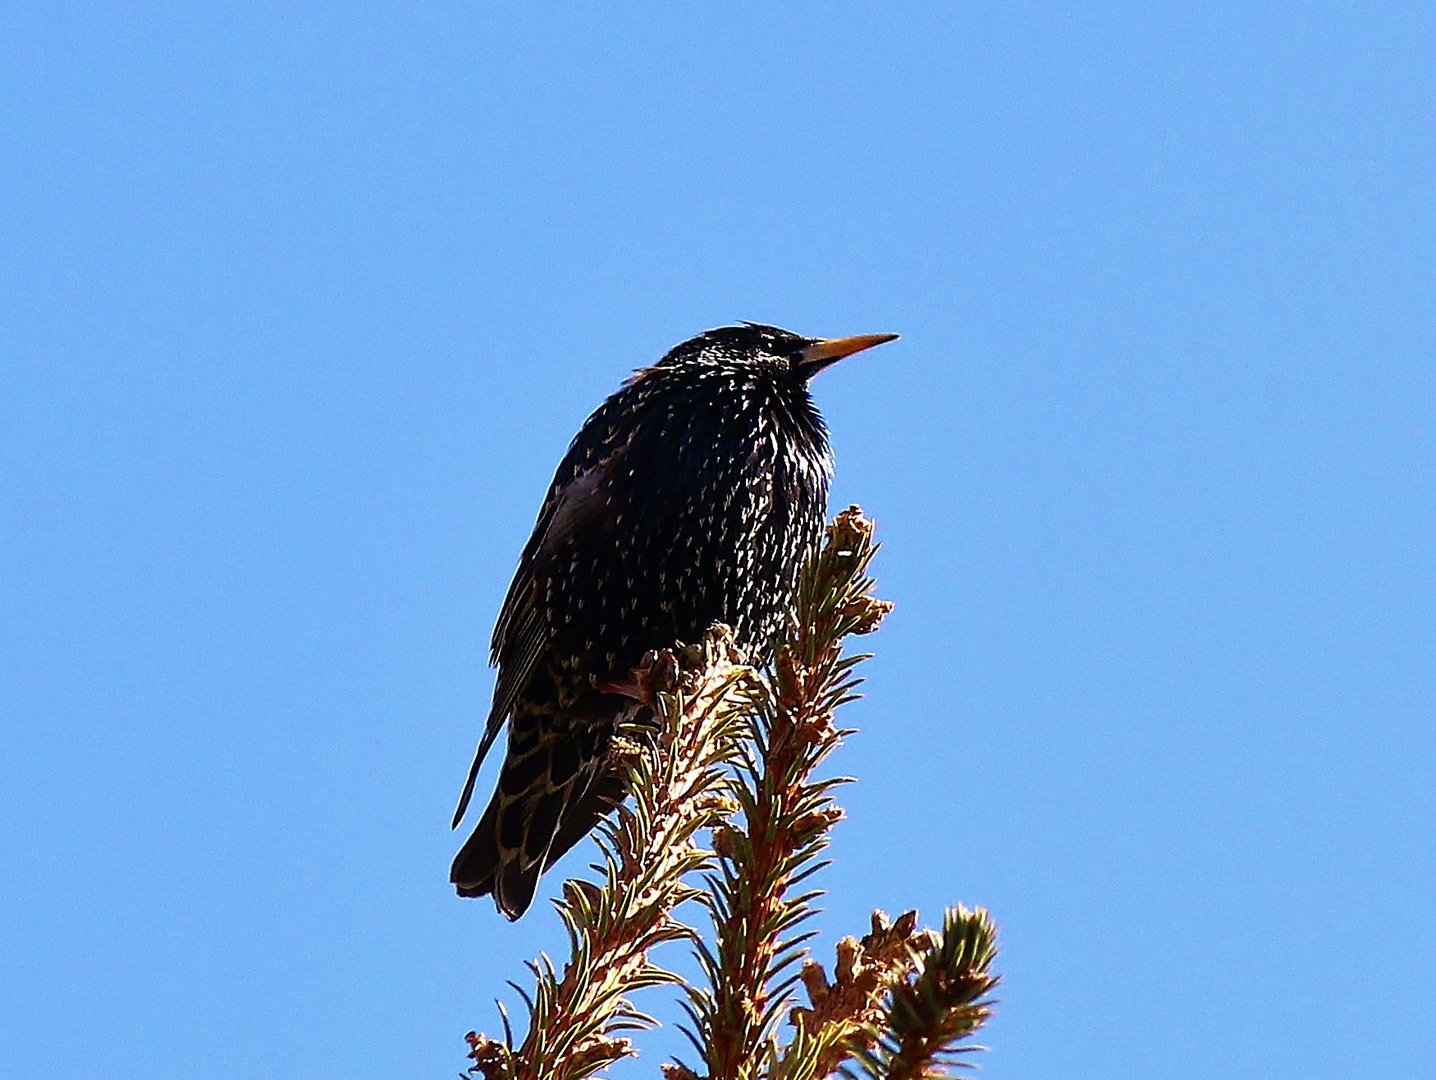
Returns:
point(820, 354)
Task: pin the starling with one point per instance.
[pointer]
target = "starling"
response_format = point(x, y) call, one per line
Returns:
point(691, 496)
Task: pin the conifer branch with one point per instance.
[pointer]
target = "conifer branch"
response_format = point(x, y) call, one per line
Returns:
point(945, 1002)
point(847, 1009)
point(719, 749)
point(678, 761)
point(786, 814)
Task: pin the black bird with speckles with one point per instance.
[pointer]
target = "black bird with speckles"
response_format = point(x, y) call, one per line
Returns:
point(692, 496)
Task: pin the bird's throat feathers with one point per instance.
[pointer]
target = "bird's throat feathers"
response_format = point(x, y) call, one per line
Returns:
point(760, 409)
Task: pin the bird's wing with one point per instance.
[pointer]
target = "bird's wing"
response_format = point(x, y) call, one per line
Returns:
point(577, 500)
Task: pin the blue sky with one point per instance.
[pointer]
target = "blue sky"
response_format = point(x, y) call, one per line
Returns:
point(299, 307)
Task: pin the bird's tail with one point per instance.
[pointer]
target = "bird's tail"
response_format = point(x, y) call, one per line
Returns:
point(552, 790)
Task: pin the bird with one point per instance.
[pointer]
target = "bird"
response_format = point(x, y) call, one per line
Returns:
point(693, 495)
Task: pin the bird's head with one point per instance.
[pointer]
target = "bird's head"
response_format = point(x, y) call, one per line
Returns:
point(767, 347)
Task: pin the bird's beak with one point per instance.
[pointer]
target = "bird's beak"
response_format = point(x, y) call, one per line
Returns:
point(820, 354)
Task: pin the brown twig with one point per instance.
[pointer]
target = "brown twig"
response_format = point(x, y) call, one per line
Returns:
point(846, 1008)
